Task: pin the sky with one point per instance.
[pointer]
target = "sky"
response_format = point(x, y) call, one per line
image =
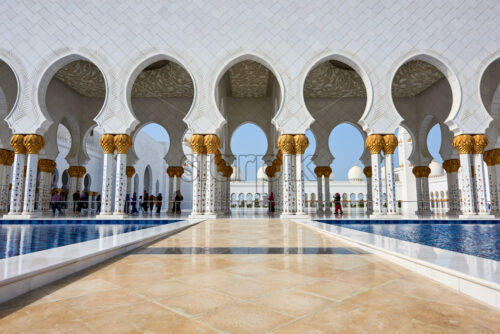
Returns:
point(249, 145)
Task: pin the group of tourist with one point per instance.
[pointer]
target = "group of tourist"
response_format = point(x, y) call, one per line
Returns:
point(143, 204)
point(80, 201)
point(336, 201)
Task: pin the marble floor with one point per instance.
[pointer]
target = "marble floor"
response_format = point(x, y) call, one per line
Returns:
point(247, 276)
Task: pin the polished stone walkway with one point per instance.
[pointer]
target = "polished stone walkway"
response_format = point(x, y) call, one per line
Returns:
point(247, 276)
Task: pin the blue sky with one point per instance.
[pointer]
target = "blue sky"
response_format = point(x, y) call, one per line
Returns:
point(249, 144)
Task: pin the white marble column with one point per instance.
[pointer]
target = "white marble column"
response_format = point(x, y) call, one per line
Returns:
point(390, 144)
point(6, 161)
point(368, 174)
point(212, 143)
point(123, 143)
point(33, 144)
point(108, 146)
point(426, 205)
point(464, 144)
point(301, 143)
point(171, 180)
point(328, 197)
point(418, 183)
point(319, 176)
point(496, 162)
point(18, 167)
point(197, 186)
point(46, 168)
point(451, 167)
point(489, 158)
point(480, 142)
point(375, 143)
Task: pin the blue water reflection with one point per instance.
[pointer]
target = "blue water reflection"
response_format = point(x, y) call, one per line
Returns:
point(22, 239)
point(478, 240)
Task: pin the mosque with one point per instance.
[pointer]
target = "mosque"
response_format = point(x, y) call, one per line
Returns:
point(285, 78)
point(81, 82)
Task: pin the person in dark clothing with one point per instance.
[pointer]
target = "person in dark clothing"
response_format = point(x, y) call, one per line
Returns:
point(271, 202)
point(76, 199)
point(177, 202)
point(159, 200)
point(98, 202)
point(127, 203)
point(151, 203)
point(338, 206)
point(145, 202)
point(134, 204)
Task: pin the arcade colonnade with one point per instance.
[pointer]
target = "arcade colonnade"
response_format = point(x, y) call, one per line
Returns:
point(211, 177)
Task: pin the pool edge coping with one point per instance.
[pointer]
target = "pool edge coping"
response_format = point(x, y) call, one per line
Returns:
point(409, 263)
point(79, 262)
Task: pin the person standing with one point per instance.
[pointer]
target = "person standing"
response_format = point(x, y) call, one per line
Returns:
point(338, 205)
point(134, 204)
point(271, 202)
point(177, 202)
point(151, 203)
point(56, 199)
point(159, 200)
point(98, 202)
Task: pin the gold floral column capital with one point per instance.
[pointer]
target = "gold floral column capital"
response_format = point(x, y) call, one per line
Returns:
point(107, 143)
point(33, 143)
point(318, 171)
point(123, 143)
point(17, 143)
point(212, 143)
point(480, 142)
point(367, 171)
point(179, 170)
point(327, 171)
point(46, 165)
point(270, 171)
point(6, 157)
point(196, 143)
point(76, 171)
point(390, 144)
point(374, 143)
point(488, 157)
point(171, 171)
point(129, 171)
point(286, 144)
point(497, 156)
point(301, 143)
point(276, 165)
point(463, 144)
point(451, 165)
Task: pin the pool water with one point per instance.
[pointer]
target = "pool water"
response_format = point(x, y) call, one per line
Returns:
point(482, 240)
point(23, 239)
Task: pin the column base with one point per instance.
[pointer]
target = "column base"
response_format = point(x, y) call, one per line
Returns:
point(476, 216)
point(294, 216)
point(377, 215)
point(17, 215)
point(105, 216)
point(204, 216)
